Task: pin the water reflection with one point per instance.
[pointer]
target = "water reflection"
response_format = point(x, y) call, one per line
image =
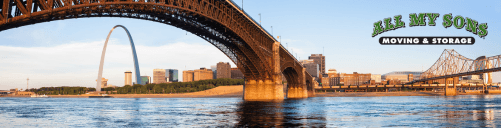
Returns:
point(290, 113)
point(412, 111)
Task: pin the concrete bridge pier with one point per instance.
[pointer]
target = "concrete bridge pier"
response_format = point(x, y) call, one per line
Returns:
point(298, 88)
point(258, 90)
point(297, 91)
point(450, 91)
point(270, 88)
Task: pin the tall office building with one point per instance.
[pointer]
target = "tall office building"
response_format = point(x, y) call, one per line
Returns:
point(320, 60)
point(128, 78)
point(223, 70)
point(145, 80)
point(311, 67)
point(214, 71)
point(171, 75)
point(159, 76)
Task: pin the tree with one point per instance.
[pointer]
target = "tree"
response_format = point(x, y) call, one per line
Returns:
point(157, 89)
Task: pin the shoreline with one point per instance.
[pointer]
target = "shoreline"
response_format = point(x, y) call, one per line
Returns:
point(237, 92)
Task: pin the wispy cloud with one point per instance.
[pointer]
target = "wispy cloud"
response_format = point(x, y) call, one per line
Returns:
point(77, 63)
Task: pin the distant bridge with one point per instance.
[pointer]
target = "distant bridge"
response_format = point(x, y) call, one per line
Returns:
point(451, 64)
point(260, 57)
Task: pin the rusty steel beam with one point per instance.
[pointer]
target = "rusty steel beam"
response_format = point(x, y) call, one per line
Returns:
point(220, 22)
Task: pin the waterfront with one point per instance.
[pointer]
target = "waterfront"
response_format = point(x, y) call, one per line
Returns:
point(404, 111)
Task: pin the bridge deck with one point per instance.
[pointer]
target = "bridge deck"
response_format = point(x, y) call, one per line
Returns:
point(403, 86)
point(459, 74)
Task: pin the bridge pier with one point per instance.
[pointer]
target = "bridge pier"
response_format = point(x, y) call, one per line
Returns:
point(296, 91)
point(450, 91)
point(257, 90)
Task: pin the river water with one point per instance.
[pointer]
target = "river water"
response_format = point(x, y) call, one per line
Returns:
point(402, 111)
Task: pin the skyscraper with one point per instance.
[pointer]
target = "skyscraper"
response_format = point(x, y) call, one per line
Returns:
point(159, 76)
point(214, 71)
point(128, 78)
point(171, 75)
point(320, 60)
point(145, 80)
point(223, 70)
point(313, 69)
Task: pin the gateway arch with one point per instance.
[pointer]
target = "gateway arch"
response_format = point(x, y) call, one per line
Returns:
point(136, 64)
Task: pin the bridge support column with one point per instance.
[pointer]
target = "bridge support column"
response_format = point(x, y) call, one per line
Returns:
point(299, 89)
point(258, 90)
point(269, 89)
point(450, 91)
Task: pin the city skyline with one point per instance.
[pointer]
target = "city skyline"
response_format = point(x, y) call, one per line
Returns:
point(55, 54)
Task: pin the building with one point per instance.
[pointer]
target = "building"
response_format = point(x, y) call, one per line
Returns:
point(202, 74)
point(128, 78)
point(311, 67)
point(145, 80)
point(356, 78)
point(471, 79)
point(223, 70)
point(306, 61)
point(332, 73)
point(236, 74)
point(159, 76)
point(104, 82)
point(188, 76)
point(320, 60)
point(324, 81)
point(376, 78)
point(171, 75)
point(334, 81)
point(402, 76)
point(196, 75)
point(214, 71)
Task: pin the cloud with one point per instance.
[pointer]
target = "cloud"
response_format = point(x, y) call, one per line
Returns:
point(77, 63)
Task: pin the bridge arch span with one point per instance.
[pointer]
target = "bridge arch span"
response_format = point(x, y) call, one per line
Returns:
point(134, 56)
point(220, 22)
point(216, 21)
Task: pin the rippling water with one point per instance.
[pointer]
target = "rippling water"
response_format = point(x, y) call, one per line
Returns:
point(411, 111)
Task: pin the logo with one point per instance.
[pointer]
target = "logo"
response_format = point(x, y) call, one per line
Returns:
point(458, 21)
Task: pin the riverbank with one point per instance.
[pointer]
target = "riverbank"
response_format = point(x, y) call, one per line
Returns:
point(237, 91)
point(221, 91)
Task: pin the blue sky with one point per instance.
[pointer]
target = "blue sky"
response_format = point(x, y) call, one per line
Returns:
point(67, 52)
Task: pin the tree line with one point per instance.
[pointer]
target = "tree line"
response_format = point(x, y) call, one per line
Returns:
point(162, 88)
point(176, 87)
point(61, 90)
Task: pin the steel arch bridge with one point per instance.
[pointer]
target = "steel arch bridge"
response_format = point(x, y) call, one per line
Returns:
point(260, 57)
point(451, 64)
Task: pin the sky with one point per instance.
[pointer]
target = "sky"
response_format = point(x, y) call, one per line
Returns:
point(67, 52)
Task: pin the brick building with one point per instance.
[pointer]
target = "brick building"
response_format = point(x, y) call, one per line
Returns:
point(196, 75)
point(159, 76)
point(236, 74)
point(223, 70)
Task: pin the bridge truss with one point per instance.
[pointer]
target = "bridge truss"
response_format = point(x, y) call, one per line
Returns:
point(452, 64)
point(220, 22)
